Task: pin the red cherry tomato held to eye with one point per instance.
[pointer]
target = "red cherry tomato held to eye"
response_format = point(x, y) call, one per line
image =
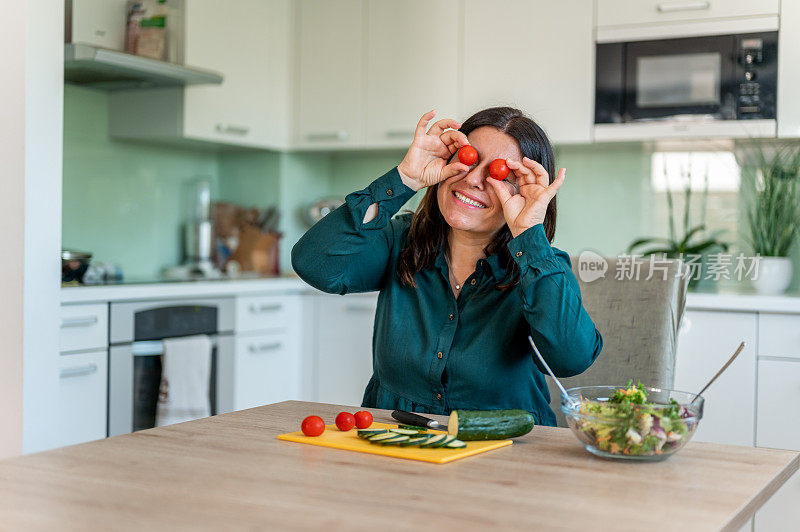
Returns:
point(313, 426)
point(498, 169)
point(363, 419)
point(345, 421)
point(468, 155)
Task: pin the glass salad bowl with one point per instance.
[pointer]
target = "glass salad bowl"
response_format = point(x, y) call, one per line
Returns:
point(632, 422)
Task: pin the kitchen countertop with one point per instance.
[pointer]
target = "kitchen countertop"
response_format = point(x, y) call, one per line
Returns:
point(166, 290)
point(742, 298)
point(230, 472)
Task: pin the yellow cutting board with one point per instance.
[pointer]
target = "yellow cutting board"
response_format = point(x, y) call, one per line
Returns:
point(333, 437)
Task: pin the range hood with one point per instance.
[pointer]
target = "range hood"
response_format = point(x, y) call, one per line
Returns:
point(106, 69)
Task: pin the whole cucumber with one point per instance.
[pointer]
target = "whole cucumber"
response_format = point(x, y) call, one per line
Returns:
point(473, 425)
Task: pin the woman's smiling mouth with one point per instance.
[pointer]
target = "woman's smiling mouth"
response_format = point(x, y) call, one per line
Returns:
point(468, 201)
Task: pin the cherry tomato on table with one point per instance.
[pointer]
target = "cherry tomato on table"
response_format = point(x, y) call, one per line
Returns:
point(468, 155)
point(498, 169)
point(312, 426)
point(345, 421)
point(363, 419)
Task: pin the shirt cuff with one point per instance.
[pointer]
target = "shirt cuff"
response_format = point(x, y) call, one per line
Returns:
point(531, 249)
point(388, 191)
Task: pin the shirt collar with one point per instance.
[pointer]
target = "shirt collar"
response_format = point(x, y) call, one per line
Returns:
point(489, 266)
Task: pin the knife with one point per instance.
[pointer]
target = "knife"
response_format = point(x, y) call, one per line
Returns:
point(409, 418)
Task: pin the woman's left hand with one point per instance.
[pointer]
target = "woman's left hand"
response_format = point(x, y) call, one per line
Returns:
point(527, 208)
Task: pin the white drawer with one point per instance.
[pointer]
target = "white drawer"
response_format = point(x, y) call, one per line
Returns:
point(266, 370)
point(779, 335)
point(263, 313)
point(621, 12)
point(84, 327)
point(82, 393)
point(778, 394)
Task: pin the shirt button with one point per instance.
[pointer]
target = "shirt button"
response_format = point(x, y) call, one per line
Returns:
point(439, 354)
point(518, 253)
point(438, 397)
point(389, 192)
point(472, 282)
point(452, 317)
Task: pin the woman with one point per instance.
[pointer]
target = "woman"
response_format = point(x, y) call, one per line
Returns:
point(466, 278)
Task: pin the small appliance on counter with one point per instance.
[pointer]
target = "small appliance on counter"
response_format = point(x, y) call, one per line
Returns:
point(74, 265)
point(198, 237)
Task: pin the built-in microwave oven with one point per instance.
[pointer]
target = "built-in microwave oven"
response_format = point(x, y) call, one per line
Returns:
point(719, 77)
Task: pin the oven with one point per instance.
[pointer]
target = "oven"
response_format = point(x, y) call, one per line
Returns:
point(711, 78)
point(136, 333)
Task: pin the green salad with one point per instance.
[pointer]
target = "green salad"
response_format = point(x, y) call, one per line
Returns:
point(628, 424)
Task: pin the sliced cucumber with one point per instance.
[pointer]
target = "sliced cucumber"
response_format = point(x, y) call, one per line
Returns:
point(433, 440)
point(398, 439)
point(415, 440)
point(366, 433)
point(413, 427)
point(383, 436)
point(455, 444)
point(407, 432)
point(444, 441)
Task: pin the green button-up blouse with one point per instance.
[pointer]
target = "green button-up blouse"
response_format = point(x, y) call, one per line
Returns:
point(434, 353)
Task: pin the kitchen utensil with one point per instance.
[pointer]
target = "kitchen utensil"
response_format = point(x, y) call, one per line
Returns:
point(409, 418)
point(335, 438)
point(723, 368)
point(74, 265)
point(550, 371)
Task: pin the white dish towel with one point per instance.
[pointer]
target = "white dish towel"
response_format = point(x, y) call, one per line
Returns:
point(185, 374)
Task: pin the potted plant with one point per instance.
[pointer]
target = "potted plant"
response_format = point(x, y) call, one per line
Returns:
point(773, 215)
point(692, 243)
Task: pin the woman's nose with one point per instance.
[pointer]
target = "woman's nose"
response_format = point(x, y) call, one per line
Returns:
point(476, 177)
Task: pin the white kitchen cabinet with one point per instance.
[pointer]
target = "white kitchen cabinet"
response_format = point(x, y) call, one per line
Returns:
point(788, 110)
point(329, 73)
point(249, 43)
point(266, 369)
point(537, 55)
point(268, 313)
point(343, 350)
point(707, 339)
point(408, 73)
point(778, 427)
point(83, 327)
point(622, 12)
point(82, 406)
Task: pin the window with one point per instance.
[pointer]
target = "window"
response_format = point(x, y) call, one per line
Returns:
point(674, 170)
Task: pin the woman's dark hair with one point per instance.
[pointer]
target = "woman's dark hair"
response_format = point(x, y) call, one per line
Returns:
point(429, 230)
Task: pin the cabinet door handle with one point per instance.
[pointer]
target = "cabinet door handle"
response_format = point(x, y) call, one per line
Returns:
point(263, 348)
point(340, 135)
point(671, 7)
point(400, 134)
point(78, 371)
point(359, 308)
point(232, 129)
point(260, 309)
point(84, 321)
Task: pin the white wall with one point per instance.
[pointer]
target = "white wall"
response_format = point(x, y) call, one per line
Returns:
point(44, 112)
point(12, 177)
point(31, 102)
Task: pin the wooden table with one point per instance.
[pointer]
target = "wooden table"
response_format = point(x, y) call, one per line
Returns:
point(230, 472)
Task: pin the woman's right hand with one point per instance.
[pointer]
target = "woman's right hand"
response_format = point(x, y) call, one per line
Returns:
point(425, 164)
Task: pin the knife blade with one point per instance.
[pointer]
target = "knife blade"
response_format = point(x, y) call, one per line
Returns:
point(409, 418)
